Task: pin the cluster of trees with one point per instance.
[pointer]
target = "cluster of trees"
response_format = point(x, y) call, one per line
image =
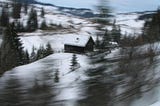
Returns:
point(41, 52)
point(150, 35)
point(17, 8)
point(104, 12)
point(151, 30)
point(12, 53)
point(4, 18)
point(137, 54)
point(108, 38)
point(11, 50)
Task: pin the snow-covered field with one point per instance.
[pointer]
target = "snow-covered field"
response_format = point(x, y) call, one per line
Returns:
point(156, 104)
point(75, 26)
point(129, 23)
point(56, 65)
point(57, 41)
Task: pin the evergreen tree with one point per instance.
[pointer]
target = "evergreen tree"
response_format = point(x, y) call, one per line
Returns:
point(11, 49)
point(25, 6)
point(0, 62)
point(42, 12)
point(74, 62)
point(56, 78)
point(32, 23)
point(26, 58)
point(116, 33)
point(104, 12)
point(41, 53)
point(4, 18)
point(106, 41)
point(16, 11)
point(33, 55)
point(48, 49)
point(97, 42)
point(151, 30)
point(19, 27)
point(43, 25)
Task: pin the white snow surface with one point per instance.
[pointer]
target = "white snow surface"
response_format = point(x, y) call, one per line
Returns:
point(57, 41)
point(68, 80)
point(156, 104)
point(74, 27)
point(129, 23)
point(77, 27)
point(0, 41)
point(61, 61)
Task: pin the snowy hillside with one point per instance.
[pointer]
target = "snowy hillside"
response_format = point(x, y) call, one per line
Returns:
point(72, 25)
point(75, 26)
point(61, 78)
point(94, 78)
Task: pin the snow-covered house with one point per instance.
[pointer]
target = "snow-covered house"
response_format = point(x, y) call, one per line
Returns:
point(79, 44)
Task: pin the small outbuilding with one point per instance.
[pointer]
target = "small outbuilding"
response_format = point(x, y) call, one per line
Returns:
point(79, 44)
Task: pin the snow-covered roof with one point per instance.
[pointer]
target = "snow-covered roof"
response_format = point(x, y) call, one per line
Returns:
point(77, 40)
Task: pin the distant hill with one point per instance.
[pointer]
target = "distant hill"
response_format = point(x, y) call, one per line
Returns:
point(82, 12)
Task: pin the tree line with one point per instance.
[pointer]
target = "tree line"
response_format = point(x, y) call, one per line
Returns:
point(104, 42)
point(14, 11)
point(12, 52)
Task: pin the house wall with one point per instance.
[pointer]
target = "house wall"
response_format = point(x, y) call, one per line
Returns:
point(74, 49)
point(90, 45)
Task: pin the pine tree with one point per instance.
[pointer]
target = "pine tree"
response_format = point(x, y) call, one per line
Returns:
point(104, 12)
point(116, 33)
point(26, 58)
point(106, 41)
point(25, 6)
point(42, 12)
point(16, 11)
point(41, 53)
point(97, 42)
point(56, 78)
point(4, 18)
point(48, 49)
point(17, 44)
point(32, 23)
point(43, 25)
point(74, 62)
point(19, 27)
point(0, 63)
point(151, 30)
point(33, 55)
point(11, 49)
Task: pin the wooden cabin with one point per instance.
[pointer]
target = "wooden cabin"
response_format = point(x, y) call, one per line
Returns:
point(79, 44)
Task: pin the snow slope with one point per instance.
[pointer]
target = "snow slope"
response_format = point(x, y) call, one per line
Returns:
point(72, 26)
point(57, 41)
point(67, 86)
point(75, 26)
point(129, 22)
point(156, 104)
